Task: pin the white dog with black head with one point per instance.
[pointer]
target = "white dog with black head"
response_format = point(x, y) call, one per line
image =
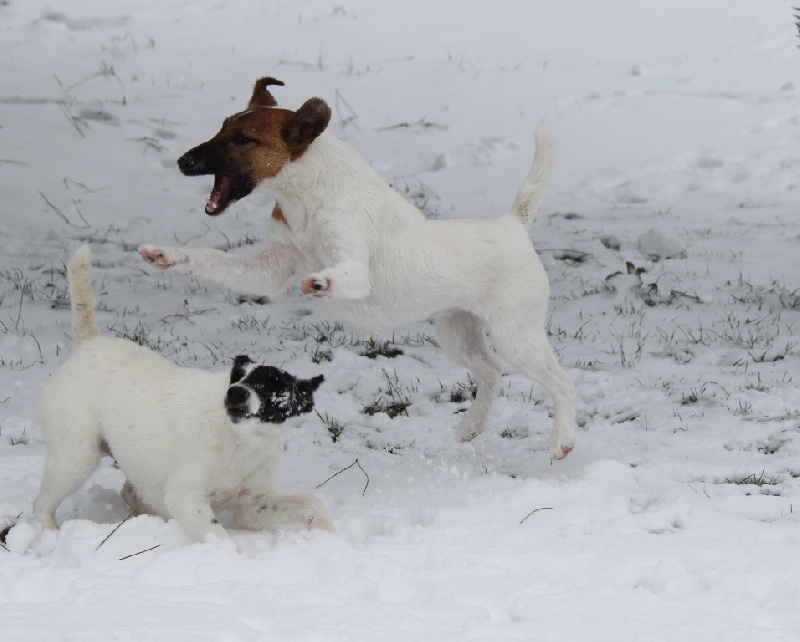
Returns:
point(190, 442)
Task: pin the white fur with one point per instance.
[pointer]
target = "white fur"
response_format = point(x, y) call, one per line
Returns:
point(376, 260)
point(167, 428)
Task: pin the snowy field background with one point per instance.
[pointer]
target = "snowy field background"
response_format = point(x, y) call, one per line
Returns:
point(670, 232)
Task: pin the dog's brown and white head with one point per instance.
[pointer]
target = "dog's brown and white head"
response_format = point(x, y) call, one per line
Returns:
point(254, 145)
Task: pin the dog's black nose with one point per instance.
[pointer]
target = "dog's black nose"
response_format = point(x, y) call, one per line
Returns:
point(189, 164)
point(198, 161)
point(237, 397)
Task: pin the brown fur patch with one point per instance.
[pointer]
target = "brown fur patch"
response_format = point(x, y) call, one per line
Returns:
point(263, 159)
point(104, 449)
point(277, 214)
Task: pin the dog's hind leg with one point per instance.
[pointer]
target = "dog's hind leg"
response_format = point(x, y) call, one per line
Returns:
point(137, 505)
point(272, 512)
point(65, 470)
point(529, 351)
point(462, 336)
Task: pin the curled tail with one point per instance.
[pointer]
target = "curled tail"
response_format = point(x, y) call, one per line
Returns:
point(82, 295)
point(529, 196)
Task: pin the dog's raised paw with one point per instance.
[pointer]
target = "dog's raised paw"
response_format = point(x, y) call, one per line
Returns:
point(154, 256)
point(160, 257)
point(316, 286)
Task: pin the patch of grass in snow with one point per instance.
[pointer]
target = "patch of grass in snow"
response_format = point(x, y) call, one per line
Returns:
point(141, 334)
point(318, 355)
point(335, 428)
point(392, 407)
point(775, 296)
point(393, 398)
point(250, 322)
point(514, 433)
point(419, 340)
point(373, 348)
point(708, 391)
point(752, 479)
point(460, 392)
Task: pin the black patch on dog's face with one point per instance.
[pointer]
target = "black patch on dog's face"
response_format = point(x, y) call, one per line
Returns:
point(267, 393)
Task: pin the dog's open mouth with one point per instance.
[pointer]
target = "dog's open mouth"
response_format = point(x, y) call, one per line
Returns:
point(239, 414)
point(220, 196)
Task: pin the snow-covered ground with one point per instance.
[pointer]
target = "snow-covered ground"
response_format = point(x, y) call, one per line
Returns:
point(671, 235)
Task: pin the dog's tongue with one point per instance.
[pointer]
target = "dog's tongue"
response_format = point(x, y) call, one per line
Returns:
point(218, 199)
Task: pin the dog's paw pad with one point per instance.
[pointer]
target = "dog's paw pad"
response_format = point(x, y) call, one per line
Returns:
point(561, 451)
point(316, 286)
point(155, 256)
point(320, 523)
point(467, 437)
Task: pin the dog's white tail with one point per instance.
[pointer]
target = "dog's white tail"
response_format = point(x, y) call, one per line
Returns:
point(529, 196)
point(82, 295)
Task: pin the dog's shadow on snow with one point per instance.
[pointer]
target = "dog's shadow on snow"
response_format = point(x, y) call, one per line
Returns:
point(95, 504)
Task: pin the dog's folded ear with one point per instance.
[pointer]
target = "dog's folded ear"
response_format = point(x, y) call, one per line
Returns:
point(239, 369)
point(261, 96)
point(316, 381)
point(307, 123)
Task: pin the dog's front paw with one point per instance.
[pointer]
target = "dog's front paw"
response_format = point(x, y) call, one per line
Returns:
point(163, 257)
point(317, 286)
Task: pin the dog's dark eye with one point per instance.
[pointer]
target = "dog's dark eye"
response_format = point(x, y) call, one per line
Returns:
point(242, 139)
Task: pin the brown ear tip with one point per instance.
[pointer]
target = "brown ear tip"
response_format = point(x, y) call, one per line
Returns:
point(265, 81)
point(261, 96)
point(319, 105)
